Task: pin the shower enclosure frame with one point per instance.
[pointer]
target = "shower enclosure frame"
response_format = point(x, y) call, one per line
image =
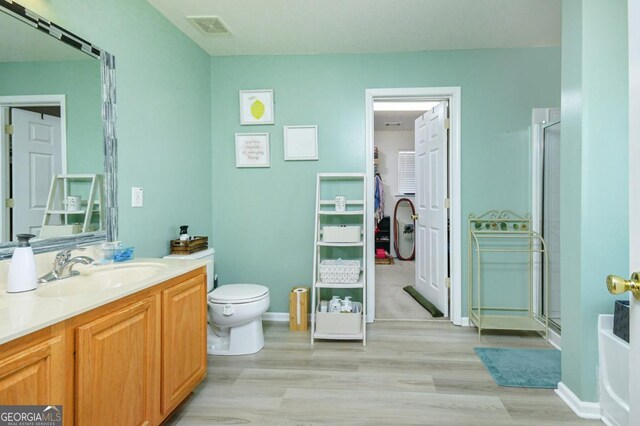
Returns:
point(542, 119)
point(546, 310)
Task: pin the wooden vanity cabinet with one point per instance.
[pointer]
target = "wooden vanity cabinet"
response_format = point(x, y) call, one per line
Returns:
point(132, 361)
point(116, 366)
point(184, 340)
point(32, 369)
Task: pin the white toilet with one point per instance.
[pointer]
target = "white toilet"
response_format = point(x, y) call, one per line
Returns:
point(234, 312)
point(235, 316)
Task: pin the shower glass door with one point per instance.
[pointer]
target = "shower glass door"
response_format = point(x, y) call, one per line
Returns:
point(551, 220)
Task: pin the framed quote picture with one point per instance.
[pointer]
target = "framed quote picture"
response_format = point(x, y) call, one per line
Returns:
point(252, 150)
point(256, 107)
point(300, 143)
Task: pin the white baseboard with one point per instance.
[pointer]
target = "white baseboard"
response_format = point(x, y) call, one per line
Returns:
point(276, 316)
point(464, 322)
point(585, 410)
point(555, 340)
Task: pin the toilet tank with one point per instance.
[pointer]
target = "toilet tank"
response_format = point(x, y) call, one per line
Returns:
point(204, 254)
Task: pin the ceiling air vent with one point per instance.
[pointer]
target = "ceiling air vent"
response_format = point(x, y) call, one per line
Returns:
point(393, 123)
point(209, 25)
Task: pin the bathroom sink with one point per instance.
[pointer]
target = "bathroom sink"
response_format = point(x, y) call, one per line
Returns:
point(100, 278)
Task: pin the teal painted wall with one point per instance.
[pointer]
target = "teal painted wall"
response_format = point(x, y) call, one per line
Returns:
point(164, 116)
point(594, 214)
point(263, 219)
point(79, 81)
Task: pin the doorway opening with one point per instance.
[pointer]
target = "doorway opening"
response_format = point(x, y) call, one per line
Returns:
point(435, 263)
point(32, 150)
point(394, 208)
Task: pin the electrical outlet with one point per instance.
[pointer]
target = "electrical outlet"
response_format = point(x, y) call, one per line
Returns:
point(136, 197)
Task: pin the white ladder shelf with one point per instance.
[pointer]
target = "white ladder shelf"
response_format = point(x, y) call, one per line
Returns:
point(339, 326)
point(57, 216)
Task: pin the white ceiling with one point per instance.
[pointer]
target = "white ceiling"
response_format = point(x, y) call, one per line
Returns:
point(407, 120)
point(274, 27)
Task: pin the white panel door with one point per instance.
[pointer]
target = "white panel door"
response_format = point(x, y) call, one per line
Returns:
point(36, 157)
point(634, 201)
point(431, 192)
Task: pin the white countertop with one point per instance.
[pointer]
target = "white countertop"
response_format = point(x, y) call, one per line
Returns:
point(24, 313)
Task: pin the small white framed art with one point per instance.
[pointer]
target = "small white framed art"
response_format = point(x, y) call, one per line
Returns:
point(256, 107)
point(300, 143)
point(252, 150)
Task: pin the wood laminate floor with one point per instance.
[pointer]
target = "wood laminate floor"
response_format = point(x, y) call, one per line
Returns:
point(409, 373)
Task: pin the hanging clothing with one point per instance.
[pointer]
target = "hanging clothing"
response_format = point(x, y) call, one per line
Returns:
point(378, 203)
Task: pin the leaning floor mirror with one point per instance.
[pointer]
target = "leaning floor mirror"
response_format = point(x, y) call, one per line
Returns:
point(58, 147)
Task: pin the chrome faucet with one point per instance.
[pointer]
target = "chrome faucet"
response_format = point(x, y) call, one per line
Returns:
point(63, 266)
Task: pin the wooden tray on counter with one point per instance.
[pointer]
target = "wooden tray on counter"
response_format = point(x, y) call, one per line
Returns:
point(192, 245)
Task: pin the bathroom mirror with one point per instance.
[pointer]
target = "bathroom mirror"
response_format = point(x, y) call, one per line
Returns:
point(403, 225)
point(66, 86)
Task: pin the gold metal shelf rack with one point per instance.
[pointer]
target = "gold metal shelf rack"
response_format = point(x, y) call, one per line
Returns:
point(508, 233)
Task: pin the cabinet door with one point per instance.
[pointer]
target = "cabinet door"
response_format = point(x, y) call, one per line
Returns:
point(115, 366)
point(184, 340)
point(34, 373)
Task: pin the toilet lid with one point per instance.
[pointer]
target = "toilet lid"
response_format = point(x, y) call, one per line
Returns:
point(238, 293)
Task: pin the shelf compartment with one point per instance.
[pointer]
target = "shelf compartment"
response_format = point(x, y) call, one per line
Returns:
point(338, 324)
point(358, 284)
point(330, 336)
point(348, 202)
point(323, 244)
point(345, 213)
point(507, 322)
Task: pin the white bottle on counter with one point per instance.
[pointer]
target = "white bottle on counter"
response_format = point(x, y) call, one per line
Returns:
point(22, 269)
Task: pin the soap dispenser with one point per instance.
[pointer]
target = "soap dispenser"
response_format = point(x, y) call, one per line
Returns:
point(347, 306)
point(184, 236)
point(22, 269)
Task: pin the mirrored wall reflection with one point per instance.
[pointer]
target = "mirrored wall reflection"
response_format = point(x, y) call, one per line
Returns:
point(551, 218)
point(50, 94)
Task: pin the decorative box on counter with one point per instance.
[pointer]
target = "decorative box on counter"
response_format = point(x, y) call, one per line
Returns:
point(192, 245)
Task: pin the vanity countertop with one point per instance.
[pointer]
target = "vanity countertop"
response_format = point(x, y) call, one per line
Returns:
point(24, 313)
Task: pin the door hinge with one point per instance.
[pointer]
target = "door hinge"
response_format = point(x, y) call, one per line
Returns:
point(447, 282)
point(9, 203)
point(447, 123)
point(8, 129)
point(447, 203)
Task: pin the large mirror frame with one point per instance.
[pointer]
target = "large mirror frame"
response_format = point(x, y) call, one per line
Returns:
point(107, 71)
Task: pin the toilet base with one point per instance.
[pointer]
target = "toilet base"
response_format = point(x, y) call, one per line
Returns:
point(242, 340)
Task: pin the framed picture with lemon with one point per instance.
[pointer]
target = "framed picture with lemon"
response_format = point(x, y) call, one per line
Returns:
point(256, 107)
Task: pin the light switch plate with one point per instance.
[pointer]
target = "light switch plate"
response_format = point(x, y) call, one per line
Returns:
point(136, 197)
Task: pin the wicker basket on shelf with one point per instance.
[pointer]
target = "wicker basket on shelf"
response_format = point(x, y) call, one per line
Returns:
point(339, 271)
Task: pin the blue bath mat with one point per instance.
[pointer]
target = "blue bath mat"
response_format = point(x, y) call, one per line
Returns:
point(522, 368)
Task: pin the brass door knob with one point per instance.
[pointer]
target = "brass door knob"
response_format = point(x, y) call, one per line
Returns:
point(618, 285)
